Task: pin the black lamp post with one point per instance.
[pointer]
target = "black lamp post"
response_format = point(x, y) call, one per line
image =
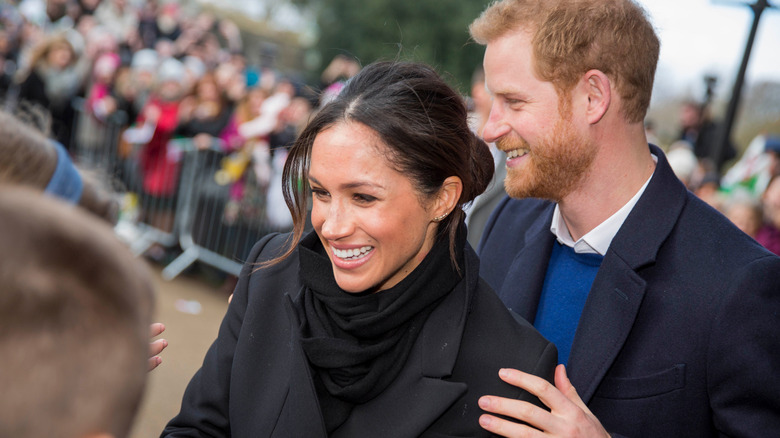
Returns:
point(728, 123)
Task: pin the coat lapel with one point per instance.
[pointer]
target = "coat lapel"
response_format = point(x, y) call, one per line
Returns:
point(523, 284)
point(300, 414)
point(618, 290)
point(606, 321)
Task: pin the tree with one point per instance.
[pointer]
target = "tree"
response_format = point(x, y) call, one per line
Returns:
point(418, 30)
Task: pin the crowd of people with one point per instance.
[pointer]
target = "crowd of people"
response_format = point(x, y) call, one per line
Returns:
point(606, 296)
point(132, 75)
point(741, 187)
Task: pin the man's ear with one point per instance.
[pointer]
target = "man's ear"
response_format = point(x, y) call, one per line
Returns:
point(448, 196)
point(599, 92)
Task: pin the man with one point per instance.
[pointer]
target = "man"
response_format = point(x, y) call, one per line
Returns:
point(664, 314)
point(75, 307)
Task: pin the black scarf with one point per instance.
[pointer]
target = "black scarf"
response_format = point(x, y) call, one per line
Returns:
point(358, 343)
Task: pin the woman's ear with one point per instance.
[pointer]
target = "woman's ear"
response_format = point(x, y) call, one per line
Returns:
point(448, 196)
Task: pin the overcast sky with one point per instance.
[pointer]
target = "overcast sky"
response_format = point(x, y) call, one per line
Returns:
point(701, 37)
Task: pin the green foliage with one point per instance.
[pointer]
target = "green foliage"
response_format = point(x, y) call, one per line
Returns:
point(434, 32)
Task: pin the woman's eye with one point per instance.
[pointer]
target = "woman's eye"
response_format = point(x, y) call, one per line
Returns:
point(364, 198)
point(319, 193)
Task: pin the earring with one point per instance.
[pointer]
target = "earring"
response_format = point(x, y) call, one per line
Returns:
point(440, 218)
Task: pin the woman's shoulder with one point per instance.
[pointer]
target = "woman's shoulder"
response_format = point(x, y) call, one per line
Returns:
point(488, 312)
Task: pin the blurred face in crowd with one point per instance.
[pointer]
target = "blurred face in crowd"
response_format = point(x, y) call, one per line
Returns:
point(546, 156)
point(59, 56)
point(746, 217)
point(373, 223)
point(771, 201)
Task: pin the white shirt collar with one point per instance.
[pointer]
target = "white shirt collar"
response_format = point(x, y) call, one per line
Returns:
point(597, 240)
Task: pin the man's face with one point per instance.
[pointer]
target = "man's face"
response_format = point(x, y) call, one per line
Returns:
point(546, 155)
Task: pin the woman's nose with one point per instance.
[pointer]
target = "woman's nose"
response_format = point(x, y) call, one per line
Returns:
point(336, 222)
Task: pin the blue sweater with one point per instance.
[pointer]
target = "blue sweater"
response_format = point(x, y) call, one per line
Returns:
point(566, 287)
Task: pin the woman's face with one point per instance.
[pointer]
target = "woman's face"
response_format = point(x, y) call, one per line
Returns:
point(369, 217)
point(59, 56)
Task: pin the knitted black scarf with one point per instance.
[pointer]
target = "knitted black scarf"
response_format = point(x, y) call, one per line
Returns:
point(358, 343)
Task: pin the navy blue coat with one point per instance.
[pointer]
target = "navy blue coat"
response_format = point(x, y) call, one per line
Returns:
point(256, 381)
point(680, 334)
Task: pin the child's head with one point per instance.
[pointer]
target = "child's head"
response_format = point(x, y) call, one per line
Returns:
point(75, 310)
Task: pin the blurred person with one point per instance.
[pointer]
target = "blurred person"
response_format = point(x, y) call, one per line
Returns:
point(746, 213)
point(708, 189)
point(100, 107)
point(71, 293)
point(772, 149)
point(159, 165)
point(650, 133)
point(49, 81)
point(697, 128)
point(340, 69)
point(143, 77)
point(376, 322)
point(663, 312)
point(249, 159)
point(119, 16)
point(684, 163)
point(205, 113)
point(478, 213)
point(769, 234)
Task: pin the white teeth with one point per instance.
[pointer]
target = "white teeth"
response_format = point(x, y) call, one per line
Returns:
point(514, 153)
point(352, 254)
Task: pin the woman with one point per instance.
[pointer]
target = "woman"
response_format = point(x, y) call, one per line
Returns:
point(376, 323)
point(51, 81)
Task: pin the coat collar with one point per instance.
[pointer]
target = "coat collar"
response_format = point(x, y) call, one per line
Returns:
point(421, 384)
point(522, 286)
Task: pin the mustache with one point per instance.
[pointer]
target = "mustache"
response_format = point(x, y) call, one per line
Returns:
point(510, 143)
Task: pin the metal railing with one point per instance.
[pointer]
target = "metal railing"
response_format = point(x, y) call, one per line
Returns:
point(181, 196)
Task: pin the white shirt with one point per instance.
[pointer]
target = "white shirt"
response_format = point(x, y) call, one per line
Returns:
point(597, 240)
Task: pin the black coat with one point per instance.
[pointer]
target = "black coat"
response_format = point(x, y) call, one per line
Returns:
point(256, 382)
point(679, 336)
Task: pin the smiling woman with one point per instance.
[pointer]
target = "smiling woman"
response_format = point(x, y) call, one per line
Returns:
point(376, 323)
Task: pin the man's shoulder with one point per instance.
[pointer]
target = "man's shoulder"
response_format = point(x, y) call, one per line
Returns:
point(514, 209)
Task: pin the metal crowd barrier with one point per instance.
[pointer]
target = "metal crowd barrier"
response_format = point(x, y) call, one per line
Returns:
point(218, 223)
point(213, 216)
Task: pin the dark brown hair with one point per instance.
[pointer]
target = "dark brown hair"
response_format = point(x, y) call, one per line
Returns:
point(423, 123)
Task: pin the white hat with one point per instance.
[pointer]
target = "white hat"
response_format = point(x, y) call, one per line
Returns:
point(170, 70)
point(145, 60)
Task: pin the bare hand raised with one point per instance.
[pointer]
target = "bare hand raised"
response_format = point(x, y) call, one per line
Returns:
point(156, 347)
point(568, 416)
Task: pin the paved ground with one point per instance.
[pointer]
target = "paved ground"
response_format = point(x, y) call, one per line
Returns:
point(189, 336)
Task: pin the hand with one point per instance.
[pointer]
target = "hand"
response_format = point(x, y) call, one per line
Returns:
point(157, 346)
point(152, 114)
point(568, 416)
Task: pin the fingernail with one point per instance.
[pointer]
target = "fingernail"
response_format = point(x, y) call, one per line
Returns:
point(484, 402)
point(503, 372)
point(485, 420)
